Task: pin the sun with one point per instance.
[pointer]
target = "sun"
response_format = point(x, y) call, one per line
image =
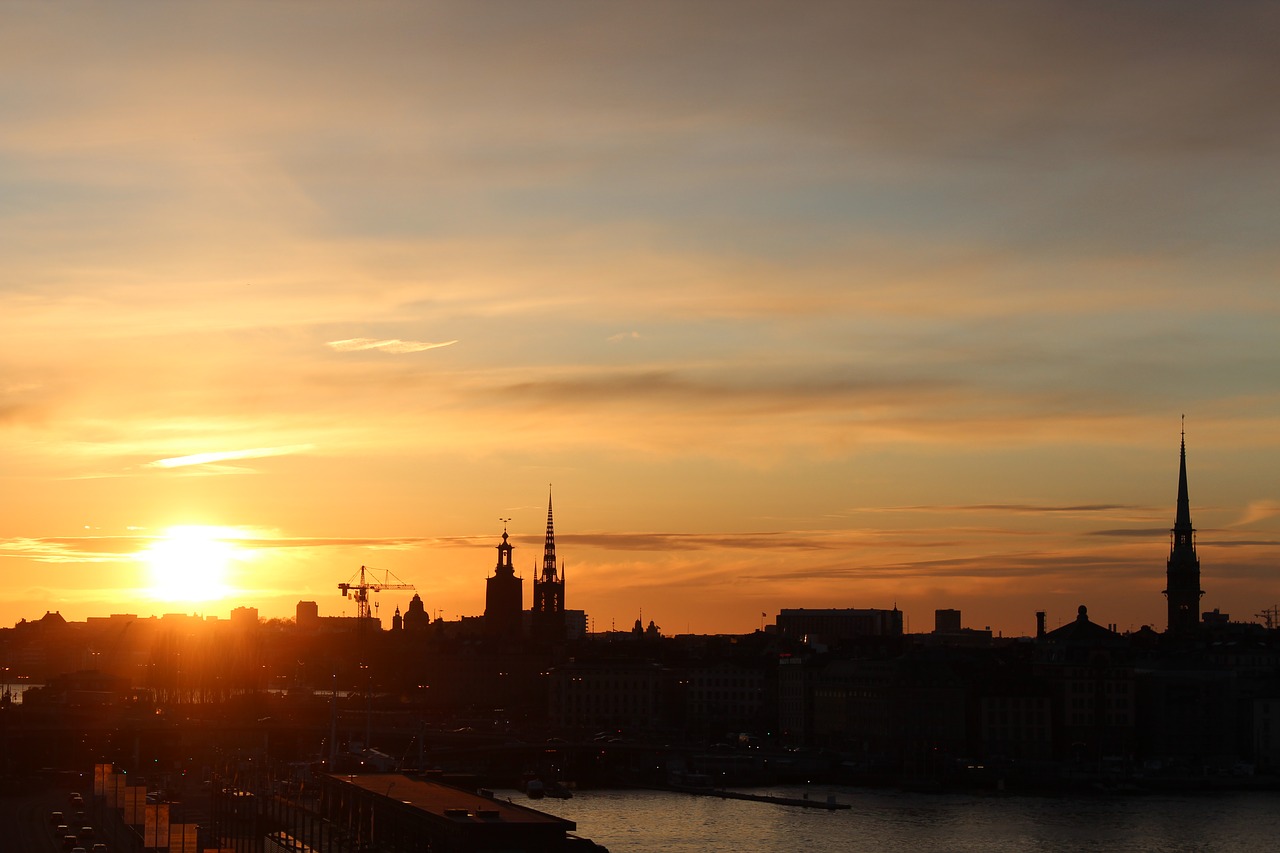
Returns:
point(191, 563)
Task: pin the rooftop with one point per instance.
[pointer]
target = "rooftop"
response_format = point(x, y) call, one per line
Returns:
point(454, 803)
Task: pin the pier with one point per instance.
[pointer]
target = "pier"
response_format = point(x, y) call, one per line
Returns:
point(830, 803)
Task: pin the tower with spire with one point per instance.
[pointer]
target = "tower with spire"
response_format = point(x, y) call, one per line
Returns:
point(1183, 569)
point(548, 588)
point(504, 595)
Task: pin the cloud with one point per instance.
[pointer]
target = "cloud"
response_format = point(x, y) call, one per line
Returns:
point(1132, 533)
point(86, 549)
point(1258, 511)
point(625, 336)
point(394, 345)
point(1015, 509)
point(225, 455)
point(1245, 543)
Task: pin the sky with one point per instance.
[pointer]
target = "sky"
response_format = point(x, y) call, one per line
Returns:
point(854, 305)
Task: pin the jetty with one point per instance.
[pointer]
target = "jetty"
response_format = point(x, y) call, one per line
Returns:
point(830, 803)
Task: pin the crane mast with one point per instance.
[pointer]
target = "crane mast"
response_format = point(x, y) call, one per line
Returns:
point(368, 582)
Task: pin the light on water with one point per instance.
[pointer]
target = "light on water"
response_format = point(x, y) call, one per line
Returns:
point(661, 822)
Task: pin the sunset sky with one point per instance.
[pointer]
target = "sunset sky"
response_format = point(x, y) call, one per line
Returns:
point(789, 304)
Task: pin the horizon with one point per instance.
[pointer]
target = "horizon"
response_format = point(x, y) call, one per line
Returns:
point(877, 305)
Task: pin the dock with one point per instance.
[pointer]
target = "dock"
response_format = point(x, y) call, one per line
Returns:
point(830, 803)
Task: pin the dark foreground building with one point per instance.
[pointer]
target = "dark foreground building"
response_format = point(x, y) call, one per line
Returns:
point(383, 813)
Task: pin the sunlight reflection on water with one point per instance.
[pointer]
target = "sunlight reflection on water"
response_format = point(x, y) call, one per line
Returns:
point(653, 821)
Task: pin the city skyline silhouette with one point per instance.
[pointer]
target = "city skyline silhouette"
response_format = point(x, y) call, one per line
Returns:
point(874, 305)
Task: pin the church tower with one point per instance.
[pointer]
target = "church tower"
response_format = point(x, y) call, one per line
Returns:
point(1183, 573)
point(504, 596)
point(548, 589)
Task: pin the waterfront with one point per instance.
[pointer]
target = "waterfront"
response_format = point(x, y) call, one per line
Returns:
point(651, 821)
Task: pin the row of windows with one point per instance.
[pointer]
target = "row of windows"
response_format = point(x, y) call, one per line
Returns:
point(602, 703)
point(1011, 733)
point(1017, 702)
point(1090, 719)
point(753, 683)
point(737, 695)
point(707, 704)
point(609, 683)
point(1004, 717)
point(1089, 702)
point(1107, 687)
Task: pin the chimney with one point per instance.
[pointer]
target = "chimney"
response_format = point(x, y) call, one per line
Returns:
point(1039, 623)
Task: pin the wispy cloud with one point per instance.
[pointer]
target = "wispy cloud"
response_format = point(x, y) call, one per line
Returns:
point(1013, 509)
point(625, 336)
point(86, 549)
point(393, 345)
point(216, 456)
point(1132, 533)
point(1258, 511)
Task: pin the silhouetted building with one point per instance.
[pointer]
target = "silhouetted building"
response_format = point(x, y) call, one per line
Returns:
point(627, 694)
point(1215, 617)
point(309, 620)
point(378, 811)
point(851, 707)
point(1188, 710)
point(575, 624)
point(1183, 573)
point(724, 694)
point(1090, 672)
point(307, 616)
point(946, 621)
point(1016, 720)
point(416, 619)
point(834, 626)
point(244, 618)
point(504, 595)
point(1266, 733)
point(548, 589)
point(795, 705)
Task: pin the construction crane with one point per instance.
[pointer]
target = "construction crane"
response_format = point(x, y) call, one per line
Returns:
point(368, 583)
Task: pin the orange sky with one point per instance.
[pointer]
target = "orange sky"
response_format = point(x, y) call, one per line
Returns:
point(855, 305)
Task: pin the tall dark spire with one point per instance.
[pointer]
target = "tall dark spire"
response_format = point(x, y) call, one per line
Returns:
point(1183, 569)
point(1183, 520)
point(549, 547)
point(548, 589)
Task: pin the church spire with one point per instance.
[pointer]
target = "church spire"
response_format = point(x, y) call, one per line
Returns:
point(1183, 569)
point(1183, 519)
point(549, 547)
point(548, 589)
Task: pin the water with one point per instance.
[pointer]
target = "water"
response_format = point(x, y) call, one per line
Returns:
point(16, 689)
point(888, 821)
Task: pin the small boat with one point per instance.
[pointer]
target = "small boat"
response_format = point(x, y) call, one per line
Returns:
point(558, 791)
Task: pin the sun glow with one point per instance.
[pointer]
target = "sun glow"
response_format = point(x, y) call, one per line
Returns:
point(192, 563)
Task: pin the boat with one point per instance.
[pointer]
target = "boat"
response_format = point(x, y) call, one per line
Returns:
point(557, 791)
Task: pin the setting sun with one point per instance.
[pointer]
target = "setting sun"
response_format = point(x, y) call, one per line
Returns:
point(191, 563)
